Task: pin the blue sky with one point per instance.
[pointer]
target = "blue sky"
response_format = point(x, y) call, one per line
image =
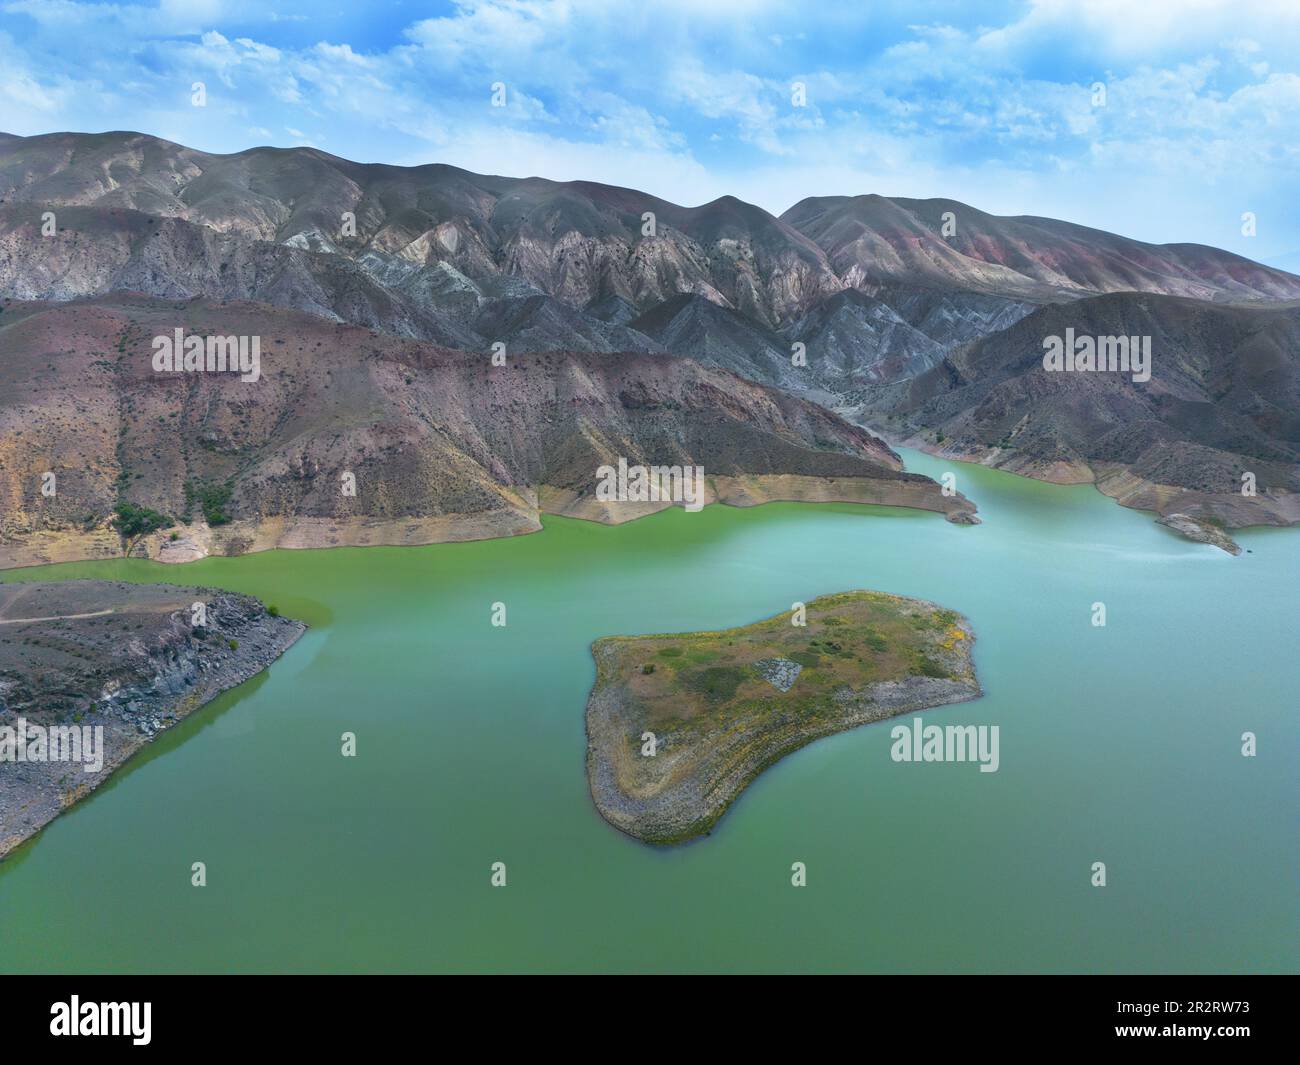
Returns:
point(988, 103)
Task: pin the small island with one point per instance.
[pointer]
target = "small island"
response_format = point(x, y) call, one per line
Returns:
point(679, 724)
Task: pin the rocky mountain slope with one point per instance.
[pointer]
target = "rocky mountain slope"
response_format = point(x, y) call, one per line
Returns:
point(1222, 401)
point(576, 241)
point(874, 240)
point(434, 443)
point(468, 260)
point(94, 251)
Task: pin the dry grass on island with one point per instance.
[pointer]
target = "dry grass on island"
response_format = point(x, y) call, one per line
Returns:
point(717, 708)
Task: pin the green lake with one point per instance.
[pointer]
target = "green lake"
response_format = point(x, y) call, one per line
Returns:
point(1119, 744)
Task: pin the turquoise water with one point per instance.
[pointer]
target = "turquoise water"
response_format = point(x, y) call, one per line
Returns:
point(1118, 744)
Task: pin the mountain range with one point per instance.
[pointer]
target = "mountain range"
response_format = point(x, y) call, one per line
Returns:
point(921, 319)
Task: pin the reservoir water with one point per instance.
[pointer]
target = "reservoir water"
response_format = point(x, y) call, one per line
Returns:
point(1120, 744)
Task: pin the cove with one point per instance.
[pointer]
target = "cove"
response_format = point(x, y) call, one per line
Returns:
point(1119, 744)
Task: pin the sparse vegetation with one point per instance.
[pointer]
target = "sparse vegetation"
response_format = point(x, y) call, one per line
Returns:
point(211, 500)
point(733, 702)
point(134, 522)
point(717, 683)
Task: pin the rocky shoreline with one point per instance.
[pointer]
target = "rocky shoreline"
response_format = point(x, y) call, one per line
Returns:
point(1203, 517)
point(1203, 532)
point(122, 658)
point(196, 541)
point(701, 765)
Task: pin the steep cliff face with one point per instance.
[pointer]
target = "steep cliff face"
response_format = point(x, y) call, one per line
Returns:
point(105, 667)
point(347, 426)
point(94, 251)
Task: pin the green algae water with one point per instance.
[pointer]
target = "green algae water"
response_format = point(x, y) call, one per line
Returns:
point(1119, 744)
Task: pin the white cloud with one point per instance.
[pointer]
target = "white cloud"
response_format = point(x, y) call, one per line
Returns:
point(690, 101)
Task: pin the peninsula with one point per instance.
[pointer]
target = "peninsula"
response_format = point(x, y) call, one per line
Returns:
point(91, 671)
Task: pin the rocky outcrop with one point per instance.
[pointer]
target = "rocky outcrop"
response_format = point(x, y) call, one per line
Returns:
point(1200, 531)
point(574, 241)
